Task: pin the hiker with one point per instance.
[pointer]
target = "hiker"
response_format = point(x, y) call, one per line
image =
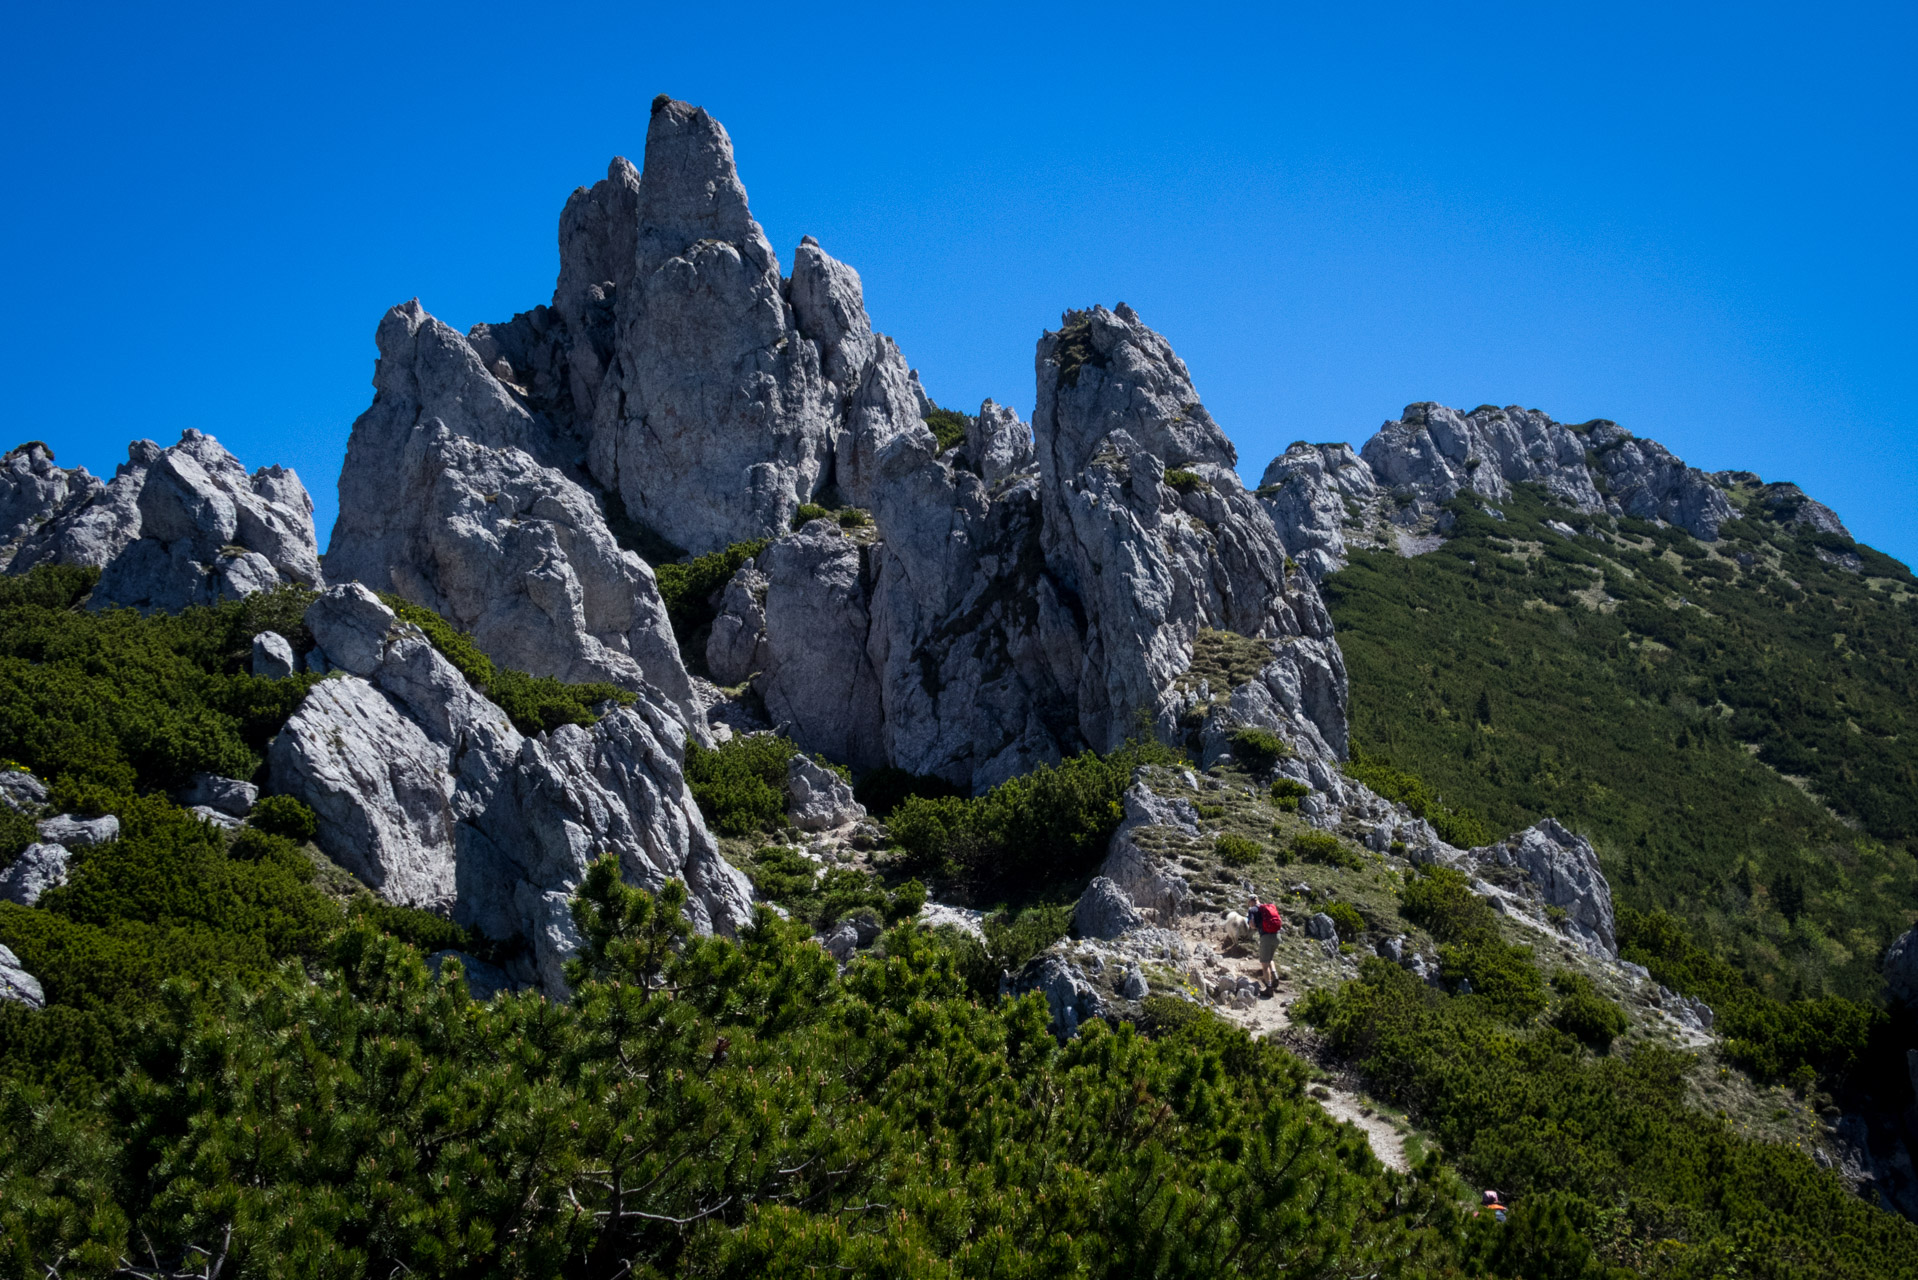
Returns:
point(1490, 1203)
point(1265, 918)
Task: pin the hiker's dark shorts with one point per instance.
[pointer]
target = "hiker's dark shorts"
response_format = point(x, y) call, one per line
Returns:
point(1268, 947)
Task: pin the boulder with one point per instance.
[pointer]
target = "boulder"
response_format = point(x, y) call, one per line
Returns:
point(821, 799)
point(79, 832)
point(1074, 1000)
point(229, 796)
point(17, 984)
point(426, 791)
point(39, 867)
point(1322, 927)
point(21, 792)
point(1104, 911)
point(841, 941)
point(1563, 870)
point(1134, 986)
point(272, 656)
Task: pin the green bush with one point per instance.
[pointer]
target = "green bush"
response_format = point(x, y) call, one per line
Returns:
point(104, 705)
point(1050, 825)
point(1258, 748)
point(17, 831)
point(853, 518)
point(1237, 851)
point(535, 704)
point(285, 816)
point(1772, 1038)
point(740, 785)
point(1454, 826)
point(375, 1120)
point(688, 589)
point(1346, 919)
point(1185, 481)
point(1583, 1013)
point(1286, 793)
point(1323, 847)
point(807, 513)
point(948, 427)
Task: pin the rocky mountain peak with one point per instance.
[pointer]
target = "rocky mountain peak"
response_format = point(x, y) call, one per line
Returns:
point(689, 190)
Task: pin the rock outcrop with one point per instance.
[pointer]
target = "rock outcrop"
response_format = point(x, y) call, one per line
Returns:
point(1563, 867)
point(38, 868)
point(1319, 497)
point(821, 799)
point(179, 526)
point(428, 793)
point(1147, 524)
point(1104, 911)
point(1323, 498)
point(17, 984)
point(33, 490)
point(448, 498)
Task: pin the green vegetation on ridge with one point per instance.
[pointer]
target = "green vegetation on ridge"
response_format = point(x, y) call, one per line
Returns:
point(1648, 690)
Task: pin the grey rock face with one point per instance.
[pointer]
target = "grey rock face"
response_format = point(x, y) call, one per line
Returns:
point(34, 491)
point(272, 656)
point(21, 791)
point(998, 445)
point(1134, 986)
point(444, 500)
point(38, 868)
point(1322, 927)
point(1313, 492)
point(1074, 1000)
point(1143, 877)
point(1439, 452)
point(78, 833)
point(206, 530)
point(1564, 868)
point(95, 527)
point(1150, 560)
point(426, 791)
point(841, 941)
point(821, 799)
point(1644, 480)
point(230, 796)
point(722, 420)
point(17, 984)
point(1104, 911)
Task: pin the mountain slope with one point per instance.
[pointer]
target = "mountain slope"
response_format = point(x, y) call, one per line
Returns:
point(1656, 691)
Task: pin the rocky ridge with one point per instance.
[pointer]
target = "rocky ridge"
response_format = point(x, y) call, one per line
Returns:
point(1390, 494)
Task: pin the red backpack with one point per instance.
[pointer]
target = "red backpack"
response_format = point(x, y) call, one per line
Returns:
point(1266, 917)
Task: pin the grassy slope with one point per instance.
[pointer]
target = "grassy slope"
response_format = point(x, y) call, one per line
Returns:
point(1654, 692)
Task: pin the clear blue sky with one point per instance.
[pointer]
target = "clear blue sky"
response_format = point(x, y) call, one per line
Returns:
point(1695, 220)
